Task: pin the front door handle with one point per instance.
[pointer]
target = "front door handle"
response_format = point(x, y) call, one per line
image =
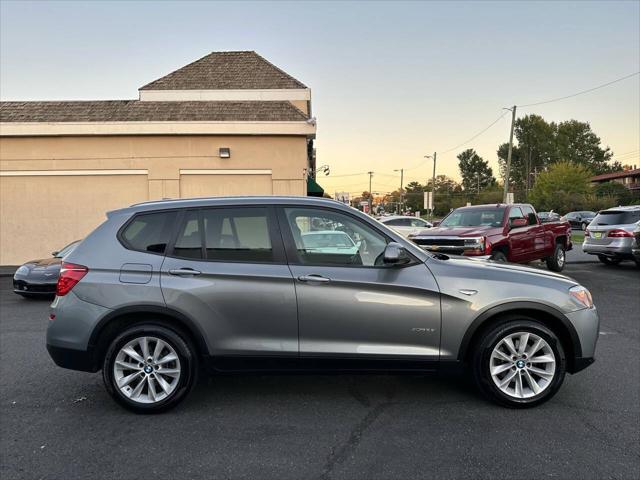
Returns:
point(184, 272)
point(314, 278)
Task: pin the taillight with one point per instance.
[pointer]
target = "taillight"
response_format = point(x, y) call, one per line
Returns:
point(70, 274)
point(617, 233)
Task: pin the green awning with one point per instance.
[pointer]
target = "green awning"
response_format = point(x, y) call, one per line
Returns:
point(313, 189)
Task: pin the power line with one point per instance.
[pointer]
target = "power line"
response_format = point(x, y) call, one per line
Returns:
point(579, 93)
point(476, 135)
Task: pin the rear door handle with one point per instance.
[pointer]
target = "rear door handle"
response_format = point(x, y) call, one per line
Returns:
point(184, 272)
point(314, 278)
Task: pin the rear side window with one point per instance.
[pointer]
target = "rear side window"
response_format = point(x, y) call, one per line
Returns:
point(531, 217)
point(149, 232)
point(617, 217)
point(399, 222)
point(189, 241)
point(237, 235)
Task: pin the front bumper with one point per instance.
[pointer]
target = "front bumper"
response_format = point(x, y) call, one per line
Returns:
point(25, 287)
point(586, 324)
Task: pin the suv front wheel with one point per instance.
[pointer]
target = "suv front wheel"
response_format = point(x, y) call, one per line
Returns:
point(149, 368)
point(519, 363)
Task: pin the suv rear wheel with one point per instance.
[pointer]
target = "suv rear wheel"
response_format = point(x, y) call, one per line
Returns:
point(149, 368)
point(519, 363)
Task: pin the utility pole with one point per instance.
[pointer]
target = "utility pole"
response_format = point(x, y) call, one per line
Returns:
point(401, 184)
point(370, 195)
point(508, 169)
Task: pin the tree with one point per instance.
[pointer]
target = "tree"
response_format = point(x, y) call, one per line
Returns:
point(476, 172)
point(562, 188)
point(414, 196)
point(576, 142)
point(541, 144)
point(619, 194)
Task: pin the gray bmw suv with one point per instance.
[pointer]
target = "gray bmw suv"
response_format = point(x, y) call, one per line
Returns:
point(163, 291)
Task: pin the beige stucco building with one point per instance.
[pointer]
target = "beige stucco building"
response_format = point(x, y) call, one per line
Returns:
point(230, 123)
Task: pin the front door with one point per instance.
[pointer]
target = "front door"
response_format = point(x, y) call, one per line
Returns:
point(350, 304)
point(227, 271)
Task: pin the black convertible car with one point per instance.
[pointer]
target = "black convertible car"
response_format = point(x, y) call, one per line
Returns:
point(38, 278)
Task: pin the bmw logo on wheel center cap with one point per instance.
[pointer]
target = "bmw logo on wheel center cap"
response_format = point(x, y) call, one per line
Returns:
point(520, 364)
point(148, 369)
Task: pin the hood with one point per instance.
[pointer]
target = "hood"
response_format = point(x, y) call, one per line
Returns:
point(43, 262)
point(460, 231)
point(509, 268)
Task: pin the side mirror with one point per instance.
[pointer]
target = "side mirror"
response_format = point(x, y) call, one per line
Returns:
point(54, 253)
point(519, 222)
point(394, 254)
point(436, 223)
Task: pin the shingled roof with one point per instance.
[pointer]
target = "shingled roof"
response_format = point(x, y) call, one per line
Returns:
point(227, 71)
point(137, 111)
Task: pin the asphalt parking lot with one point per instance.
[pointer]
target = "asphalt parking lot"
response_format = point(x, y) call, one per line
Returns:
point(56, 423)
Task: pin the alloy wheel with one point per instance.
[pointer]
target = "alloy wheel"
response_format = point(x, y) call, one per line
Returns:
point(522, 365)
point(560, 257)
point(146, 370)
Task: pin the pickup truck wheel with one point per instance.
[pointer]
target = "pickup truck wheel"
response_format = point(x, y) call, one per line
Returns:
point(557, 261)
point(519, 363)
point(608, 260)
point(499, 256)
point(583, 226)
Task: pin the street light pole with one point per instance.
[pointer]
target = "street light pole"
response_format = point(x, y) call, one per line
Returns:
point(433, 183)
point(370, 194)
point(401, 185)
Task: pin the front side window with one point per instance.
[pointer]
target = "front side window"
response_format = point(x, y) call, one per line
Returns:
point(515, 213)
point(237, 234)
point(149, 232)
point(330, 238)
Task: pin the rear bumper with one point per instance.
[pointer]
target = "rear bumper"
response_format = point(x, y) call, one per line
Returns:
point(620, 247)
point(83, 360)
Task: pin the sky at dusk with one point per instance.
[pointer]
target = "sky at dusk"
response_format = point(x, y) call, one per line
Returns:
point(391, 82)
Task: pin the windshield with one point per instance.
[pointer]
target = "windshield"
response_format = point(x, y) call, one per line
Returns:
point(474, 217)
point(67, 250)
point(617, 217)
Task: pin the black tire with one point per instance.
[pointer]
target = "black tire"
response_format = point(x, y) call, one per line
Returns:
point(583, 226)
point(188, 366)
point(557, 261)
point(480, 359)
point(609, 260)
point(499, 256)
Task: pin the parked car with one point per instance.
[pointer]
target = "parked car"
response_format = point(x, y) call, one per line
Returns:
point(329, 241)
point(38, 278)
point(405, 226)
point(579, 220)
point(635, 247)
point(546, 217)
point(501, 233)
point(611, 234)
point(163, 288)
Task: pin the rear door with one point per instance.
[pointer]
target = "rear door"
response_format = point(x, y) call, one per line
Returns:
point(226, 270)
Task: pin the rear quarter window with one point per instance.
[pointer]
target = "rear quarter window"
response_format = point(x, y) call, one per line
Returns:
point(149, 232)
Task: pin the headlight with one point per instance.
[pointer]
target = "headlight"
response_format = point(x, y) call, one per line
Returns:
point(22, 270)
point(581, 296)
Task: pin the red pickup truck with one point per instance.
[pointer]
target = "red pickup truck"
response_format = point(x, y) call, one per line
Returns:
point(504, 233)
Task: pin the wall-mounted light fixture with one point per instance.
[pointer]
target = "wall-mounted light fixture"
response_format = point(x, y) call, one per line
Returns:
point(225, 152)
